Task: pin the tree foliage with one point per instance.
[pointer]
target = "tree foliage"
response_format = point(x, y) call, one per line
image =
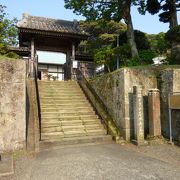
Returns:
point(102, 36)
point(8, 32)
point(167, 10)
point(141, 39)
point(101, 33)
point(105, 56)
point(173, 35)
point(107, 10)
point(103, 42)
point(158, 43)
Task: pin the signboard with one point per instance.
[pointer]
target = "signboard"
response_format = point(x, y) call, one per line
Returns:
point(75, 64)
point(174, 101)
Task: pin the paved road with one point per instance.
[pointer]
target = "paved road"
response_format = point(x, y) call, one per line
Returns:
point(101, 162)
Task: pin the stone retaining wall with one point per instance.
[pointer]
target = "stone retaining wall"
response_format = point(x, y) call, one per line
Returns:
point(12, 104)
point(116, 91)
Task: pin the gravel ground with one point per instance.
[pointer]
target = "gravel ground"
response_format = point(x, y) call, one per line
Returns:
point(100, 162)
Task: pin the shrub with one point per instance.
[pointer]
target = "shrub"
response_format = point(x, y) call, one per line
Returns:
point(173, 35)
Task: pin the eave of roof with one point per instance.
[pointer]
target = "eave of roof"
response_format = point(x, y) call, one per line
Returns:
point(52, 33)
point(43, 25)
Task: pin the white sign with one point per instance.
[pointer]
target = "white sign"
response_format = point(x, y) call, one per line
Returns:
point(75, 64)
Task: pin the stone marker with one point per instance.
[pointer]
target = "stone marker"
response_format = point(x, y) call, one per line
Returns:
point(138, 115)
point(154, 112)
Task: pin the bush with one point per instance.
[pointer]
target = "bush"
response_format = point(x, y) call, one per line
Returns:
point(173, 35)
point(146, 56)
point(133, 61)
point(141, 40)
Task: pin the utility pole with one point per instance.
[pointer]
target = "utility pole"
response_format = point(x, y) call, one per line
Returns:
point(118, 54)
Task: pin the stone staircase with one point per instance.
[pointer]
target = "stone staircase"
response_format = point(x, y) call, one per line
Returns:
point(66, 114)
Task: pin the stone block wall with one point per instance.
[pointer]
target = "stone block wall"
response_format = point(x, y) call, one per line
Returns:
point(116, 91)
point(110, 89)
point(12, 104)
point(169, 82)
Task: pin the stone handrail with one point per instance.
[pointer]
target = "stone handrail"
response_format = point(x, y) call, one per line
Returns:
point(99, 105)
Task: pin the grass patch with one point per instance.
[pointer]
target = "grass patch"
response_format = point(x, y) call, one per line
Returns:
point(7, 58)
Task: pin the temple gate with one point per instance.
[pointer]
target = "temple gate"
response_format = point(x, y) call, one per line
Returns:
point(46, 34)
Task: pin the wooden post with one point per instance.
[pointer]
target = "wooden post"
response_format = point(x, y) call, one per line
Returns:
point(154, 112)
point(68, 65)
point(32, 58)
point(73, 51)
point(72, 59)
point(32, 49)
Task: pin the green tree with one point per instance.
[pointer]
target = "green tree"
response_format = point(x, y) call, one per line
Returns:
point(158, 43)
point(8, 32)
point(108, 10)
point(106, 56)
point(173, 36)
point(141, 39)
point(101, 33)
point(167, 10)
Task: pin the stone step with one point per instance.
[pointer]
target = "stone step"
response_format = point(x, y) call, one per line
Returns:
point(57, 84)
point(95, 132)
point(82, 122)
point(73, 128)
point(54, 86)
point(59, 88)
point(92, 121)
point(71, 131)
point(67, 101)
point(72, 117)
point(54, 94)
point(66, 106)
point(63, 98)
point(56, 123)
point(74, 140)
point(66, 113)
point(52, 135)
point(75, 133)
point(60, 91)
point(71, 122)
point(70, 127)
point(94, 126)
point(58, 115)
point(66, 110)
point(51, 129)
point(50, 125)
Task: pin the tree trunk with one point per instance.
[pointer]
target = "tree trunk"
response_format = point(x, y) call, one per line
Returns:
point(130, 32)
point(173, 14)
point(175, 52)
point(173, 22)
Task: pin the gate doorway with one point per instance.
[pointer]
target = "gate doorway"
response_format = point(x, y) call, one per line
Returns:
point(51, 65)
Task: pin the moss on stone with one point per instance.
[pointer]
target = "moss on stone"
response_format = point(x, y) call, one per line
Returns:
point(5, 58)
point(111, 126)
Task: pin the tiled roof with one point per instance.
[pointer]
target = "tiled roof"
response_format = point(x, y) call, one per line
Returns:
point(49, 25)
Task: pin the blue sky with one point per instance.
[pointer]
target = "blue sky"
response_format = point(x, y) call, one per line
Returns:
point(55, 9)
